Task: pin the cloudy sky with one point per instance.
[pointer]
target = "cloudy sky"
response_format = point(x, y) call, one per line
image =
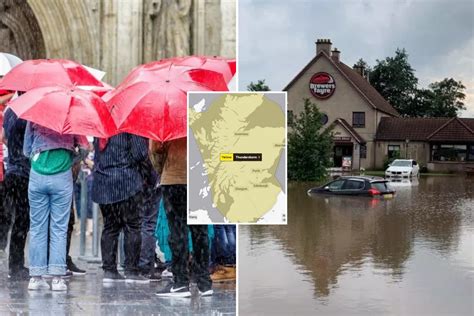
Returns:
point(276, 37)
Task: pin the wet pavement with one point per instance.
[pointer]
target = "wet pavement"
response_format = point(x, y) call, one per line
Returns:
point(88, 296)
point(412, 255)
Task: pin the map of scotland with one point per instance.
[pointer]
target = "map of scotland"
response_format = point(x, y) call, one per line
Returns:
point(237, 158)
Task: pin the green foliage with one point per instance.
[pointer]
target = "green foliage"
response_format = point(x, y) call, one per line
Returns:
point(395, 80)
point(387, 161)
point(259, 86)
point(447, 98)
point(309, 146)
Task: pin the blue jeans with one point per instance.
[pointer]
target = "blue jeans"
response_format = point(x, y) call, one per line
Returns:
point(77, 196)
point(50, 199)
point(223, 246)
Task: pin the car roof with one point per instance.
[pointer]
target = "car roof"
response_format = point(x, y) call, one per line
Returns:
point(403, 160)
point(363, 178)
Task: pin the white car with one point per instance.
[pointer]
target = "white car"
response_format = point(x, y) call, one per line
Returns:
point(402, 168)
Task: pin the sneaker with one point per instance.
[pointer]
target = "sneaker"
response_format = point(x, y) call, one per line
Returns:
point(173, 290)
point(152, 276)
point(112, 276)
point(38, 284)
point(58, 284)
point(74, 269)
point(23, 274)
point(67, 275)
point(207, 292)
point(167, 274)
point(136, 278)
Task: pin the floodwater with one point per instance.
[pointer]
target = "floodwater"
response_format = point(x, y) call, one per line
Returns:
point(412, 255)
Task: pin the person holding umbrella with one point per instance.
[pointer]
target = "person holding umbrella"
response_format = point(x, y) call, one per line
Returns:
point(50, 195)
point(50, 143)
point(5, 218)
point(16, 189)
point(117, 187)
point(7, 62)
point(174, 189)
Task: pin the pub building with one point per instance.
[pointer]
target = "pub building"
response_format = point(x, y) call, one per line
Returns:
point(366, 129)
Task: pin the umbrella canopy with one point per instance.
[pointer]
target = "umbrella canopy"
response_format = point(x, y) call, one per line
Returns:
point(226, 67)
point(37, 73)
point(152, 101)
point(66, 111)
point(7, 62)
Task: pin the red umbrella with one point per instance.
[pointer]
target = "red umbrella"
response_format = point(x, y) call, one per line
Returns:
point(151, 102)
point(66, 111)
point(37, 73)
point(226, 67)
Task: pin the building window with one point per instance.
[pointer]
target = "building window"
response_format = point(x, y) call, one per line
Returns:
point(290, 117)
point(393, 151)
point(358, 119)
point(363, 151)
point(471, 153)
point(449, 152)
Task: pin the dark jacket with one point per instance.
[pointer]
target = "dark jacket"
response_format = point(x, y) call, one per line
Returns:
point(118, 168)
point(14, 127)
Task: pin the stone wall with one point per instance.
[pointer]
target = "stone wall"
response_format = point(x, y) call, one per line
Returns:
point(117, 35)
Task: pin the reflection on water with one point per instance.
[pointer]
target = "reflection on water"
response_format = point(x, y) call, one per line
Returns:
point(339, 255)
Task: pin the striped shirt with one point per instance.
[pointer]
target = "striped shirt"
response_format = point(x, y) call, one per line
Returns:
point(118, 168)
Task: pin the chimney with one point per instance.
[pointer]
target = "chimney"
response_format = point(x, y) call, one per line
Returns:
point(323, 45)
point(359, 69)
point(335, 54)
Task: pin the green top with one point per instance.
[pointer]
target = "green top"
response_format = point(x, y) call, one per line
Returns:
point(52, 161)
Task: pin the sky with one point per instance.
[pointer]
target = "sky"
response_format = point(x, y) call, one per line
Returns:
point(276, 37)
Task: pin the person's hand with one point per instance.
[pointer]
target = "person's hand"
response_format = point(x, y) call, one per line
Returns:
point(89, 163)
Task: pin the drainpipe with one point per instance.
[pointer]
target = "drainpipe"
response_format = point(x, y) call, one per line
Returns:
point(374, 161)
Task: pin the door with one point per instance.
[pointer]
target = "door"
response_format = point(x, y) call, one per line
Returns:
point(341, 151)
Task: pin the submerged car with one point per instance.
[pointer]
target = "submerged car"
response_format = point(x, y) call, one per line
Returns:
point(402, 168)
point(356, 186)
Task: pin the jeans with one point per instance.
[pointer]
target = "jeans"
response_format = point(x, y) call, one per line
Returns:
point(223, 246)
point(117, 216)
point(50, 204)
point(16, 189)
point(77, 196)
point(174, 197)
point(149, 215)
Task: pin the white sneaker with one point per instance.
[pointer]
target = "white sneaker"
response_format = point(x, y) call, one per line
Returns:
point(166, 274)
point(206, 293)
point(38, 284)
point(58, 284)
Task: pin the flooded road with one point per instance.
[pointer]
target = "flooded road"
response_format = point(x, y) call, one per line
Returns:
point(412, 255)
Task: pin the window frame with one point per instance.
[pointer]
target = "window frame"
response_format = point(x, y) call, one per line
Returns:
point(389, 151)
point(357, 123)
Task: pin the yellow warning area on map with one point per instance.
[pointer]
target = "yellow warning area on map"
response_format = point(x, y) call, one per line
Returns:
point(227, 157)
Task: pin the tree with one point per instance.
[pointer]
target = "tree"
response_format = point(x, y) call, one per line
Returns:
point(309, 146)
point(395, 80)
point(259, 86)
point(447, 98)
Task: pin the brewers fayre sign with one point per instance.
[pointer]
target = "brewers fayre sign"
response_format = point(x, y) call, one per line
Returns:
point(322, 85)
